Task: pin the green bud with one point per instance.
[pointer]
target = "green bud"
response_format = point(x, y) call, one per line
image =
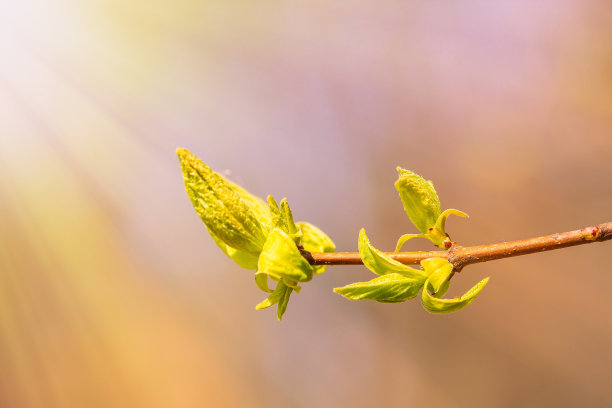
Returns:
point(256, 205)
point(420, 199)
point(226, 215)
point(422, 205)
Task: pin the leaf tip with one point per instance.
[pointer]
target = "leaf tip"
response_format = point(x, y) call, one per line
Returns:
point(271, 201)
point(182, 153)
point(263, 304)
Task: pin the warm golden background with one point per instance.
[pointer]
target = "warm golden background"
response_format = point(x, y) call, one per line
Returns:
point(113, 295)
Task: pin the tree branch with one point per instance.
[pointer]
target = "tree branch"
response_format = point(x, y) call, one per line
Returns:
point(461, 256)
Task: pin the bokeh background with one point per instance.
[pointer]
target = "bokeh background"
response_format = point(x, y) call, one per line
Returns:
point(113, 295)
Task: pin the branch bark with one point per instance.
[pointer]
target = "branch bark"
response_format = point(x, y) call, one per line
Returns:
point(462, 256)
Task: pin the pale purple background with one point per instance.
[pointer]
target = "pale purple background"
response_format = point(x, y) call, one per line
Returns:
point(113, 294)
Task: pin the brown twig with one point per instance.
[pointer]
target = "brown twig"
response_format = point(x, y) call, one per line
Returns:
point(461, 256)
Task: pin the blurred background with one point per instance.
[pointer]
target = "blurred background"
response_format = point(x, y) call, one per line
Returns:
point(112, 294)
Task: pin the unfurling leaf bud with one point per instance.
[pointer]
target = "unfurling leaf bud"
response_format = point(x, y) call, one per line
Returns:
point(281, 259)
point(283, 218)
point(422, 205)
point(397, 282)
point(229, 218)
point(420, 199)
point(439, 271)
point(381, 264)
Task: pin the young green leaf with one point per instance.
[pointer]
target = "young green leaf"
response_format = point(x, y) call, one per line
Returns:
point(274, 297)
point(287, 217)
point(381, 264)
point(279, 296)
point(223, 211)
point(438, 271)
point(441, 221)
point(315, 240)
point(275, 214)
point(282, 303)
point(243, 259)
point(434, 304)
point(283, 218)
point(392, 287)
point(281, 259)
point(437, 234)
point(406, 237)
point(420, 199)
point(261, 280)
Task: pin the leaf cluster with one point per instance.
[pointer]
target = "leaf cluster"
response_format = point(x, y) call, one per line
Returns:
point(265, 238)
point(398, 282)
point(258, 236)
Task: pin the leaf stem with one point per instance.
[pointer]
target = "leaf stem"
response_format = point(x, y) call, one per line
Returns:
point(461, 256)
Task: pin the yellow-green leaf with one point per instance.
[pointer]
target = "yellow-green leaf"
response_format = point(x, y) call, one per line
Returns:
point(282, 303)
point(243, 259)
point(315, 240)
point(261, 280)
point(279, 296)
point(275, 214)
point(392, 287)
point(441, 221)
point(438, 271)
point(287, 217)
point(437, 233)
point(406, 237)
point(274, 297)
point(419, 198)
point(282, 217)
point(434, 304)
point(381, 264)
point(280, 258)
